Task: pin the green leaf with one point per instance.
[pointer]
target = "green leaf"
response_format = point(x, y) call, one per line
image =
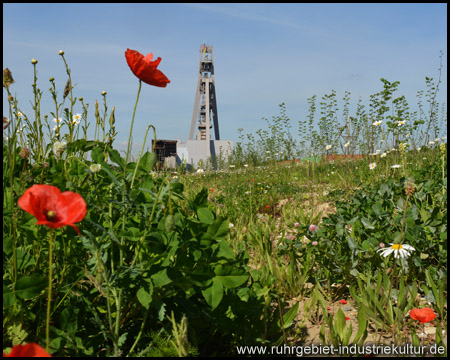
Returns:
point(230, 276)
point(217, 231)
point(8, 297)
point(378, 210)
point(339, 323)
point(214, 293)
point(160, 278)
point(290, 315)
point(97, 155)
point(201, 199)
point(205, 216)
point(144, 297)
point(28, 287)
point(64, 318)
point(116, 158)
point(367, 224)
point(225, 250)
point(352, 243)
point(362, 327)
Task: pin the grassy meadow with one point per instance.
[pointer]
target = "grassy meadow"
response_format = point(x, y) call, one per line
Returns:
point(281, 245)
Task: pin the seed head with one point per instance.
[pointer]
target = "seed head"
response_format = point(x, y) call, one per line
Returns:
point(410, 186)
point(61, 52)
point(7, 78)
point(34, 61)
point(66, 89)
point(25, 153)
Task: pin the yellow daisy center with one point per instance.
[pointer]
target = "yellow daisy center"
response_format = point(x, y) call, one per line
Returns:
point(397, 246)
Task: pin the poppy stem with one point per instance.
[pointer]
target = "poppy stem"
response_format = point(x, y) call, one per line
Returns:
point(142, 150)
point(132, 122)
point(49, 298)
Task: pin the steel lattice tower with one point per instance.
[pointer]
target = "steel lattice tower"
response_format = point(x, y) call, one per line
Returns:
point(205, 105)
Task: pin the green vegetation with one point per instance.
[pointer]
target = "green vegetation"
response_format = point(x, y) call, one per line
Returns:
point(179, 263)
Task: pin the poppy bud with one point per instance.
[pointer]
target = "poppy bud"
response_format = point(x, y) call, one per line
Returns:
point(34, 61)
point(112, 119)
point(104, 93)
point(97, 113)
point(51, 79)
point(61, 52)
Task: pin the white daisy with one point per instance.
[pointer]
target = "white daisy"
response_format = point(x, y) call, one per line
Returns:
point(377, 123)
point(400, 123)
point(399, 250)
point(76, 119)
point(199, 171)
point(328, 147)
point(372, 166)
point(395, 166)
point(383, 155)
point(347, 144)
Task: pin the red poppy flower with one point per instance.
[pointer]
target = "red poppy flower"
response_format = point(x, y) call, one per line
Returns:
point(28, 350)
point(347, 318)
point(146, 69)
point(52, 208)
point(422, 315)
point(343, 301)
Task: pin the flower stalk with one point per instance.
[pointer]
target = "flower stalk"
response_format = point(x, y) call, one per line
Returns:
point(49, 298)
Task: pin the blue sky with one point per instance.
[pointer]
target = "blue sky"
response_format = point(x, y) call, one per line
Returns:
point(264, 54)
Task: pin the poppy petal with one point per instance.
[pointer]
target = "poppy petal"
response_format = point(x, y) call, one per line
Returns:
point(39, 198)
point(68, 207)
point(28, 350)
point(423, 315)
point(148, 57)
point(145, 69)
point(73, 207)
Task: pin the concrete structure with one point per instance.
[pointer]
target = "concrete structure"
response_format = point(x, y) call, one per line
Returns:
point(204, 116)
point(192, 151)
